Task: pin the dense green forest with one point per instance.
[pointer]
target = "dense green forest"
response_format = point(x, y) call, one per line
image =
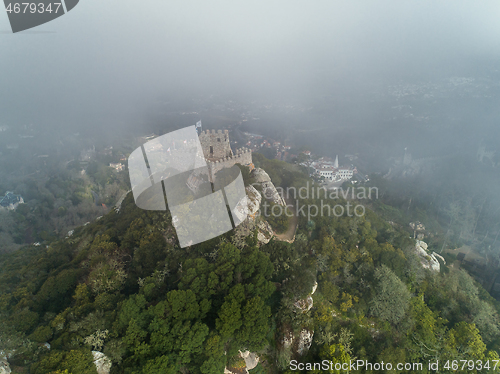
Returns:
point(121, 285)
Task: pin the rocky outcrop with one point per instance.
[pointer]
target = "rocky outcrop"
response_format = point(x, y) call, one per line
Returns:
point(306, 304)
point(428, 261)
point(265, 232)
point(254, 200)
point(315, 287)
point(439, 256)
point(251, 360)
point(248, 208)
point(249, 205)
point(305, 341)
point(101, 362)
point(300, 343)
point(4, 366)
point(418, 226)
point(269, 191)
point(247, 212)
point(287, 340)
point(418, 230)
point(260, 176)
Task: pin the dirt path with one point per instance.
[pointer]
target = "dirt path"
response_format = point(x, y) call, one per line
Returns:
point(289, 235)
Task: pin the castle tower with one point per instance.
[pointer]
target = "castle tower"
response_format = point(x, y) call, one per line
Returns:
point(218, 154)
point(215, 145)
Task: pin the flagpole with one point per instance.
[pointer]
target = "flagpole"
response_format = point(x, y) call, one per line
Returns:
point(200, 126)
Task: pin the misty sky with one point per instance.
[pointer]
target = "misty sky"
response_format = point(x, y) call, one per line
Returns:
point(107, 60)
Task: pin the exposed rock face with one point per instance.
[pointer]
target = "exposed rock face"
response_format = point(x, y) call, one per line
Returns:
point(428, 261)
point(422, 245)
point(307, 303)
point(301, 343)
point(304, 304)
point(439, 256)
point(249, 205)
point(315, 287)
point(265, 232)
point(251, 361)
point(247, 212)
point(418, 230)
point(305, 341)
point(101, 362)
point(417, 226)
point(271, 194)
point(4, 366)
point(260, 176)
point(268, 188)
point(287, 340)
point(254, 199)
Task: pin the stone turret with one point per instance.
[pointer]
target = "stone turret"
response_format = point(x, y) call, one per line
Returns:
point(218, 153)
point(215, 144)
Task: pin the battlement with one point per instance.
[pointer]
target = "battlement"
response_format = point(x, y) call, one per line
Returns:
point(215, 145)
point(218, 153)
point(241, 156)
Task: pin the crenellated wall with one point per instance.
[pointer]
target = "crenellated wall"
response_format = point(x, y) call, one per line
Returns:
point(218, 153)
point(215, 144)
point(243, 156)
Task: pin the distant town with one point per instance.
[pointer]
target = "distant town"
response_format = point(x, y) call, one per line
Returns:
point(324, 169)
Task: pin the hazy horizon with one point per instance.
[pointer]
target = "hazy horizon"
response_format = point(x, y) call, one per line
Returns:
point(108, 63)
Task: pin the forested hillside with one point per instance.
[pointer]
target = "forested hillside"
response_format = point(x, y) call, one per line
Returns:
point(122, 286)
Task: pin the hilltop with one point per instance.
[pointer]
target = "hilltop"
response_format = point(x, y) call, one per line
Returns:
point(347, 287)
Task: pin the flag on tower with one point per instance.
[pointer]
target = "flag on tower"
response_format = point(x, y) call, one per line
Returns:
point(198, 124)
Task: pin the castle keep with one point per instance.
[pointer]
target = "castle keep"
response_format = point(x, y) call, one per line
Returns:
point(218, 153)
point(215, 145)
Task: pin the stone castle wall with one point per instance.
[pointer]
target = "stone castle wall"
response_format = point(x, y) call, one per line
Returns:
point(215, 144)
point(243, 156)
point(218, 153)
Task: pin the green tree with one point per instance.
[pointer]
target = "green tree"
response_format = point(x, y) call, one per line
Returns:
point(74, 361)
point(41, 334)
point(255, 316)
point(465, 339)
point(391, 300)
point(229, 318)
